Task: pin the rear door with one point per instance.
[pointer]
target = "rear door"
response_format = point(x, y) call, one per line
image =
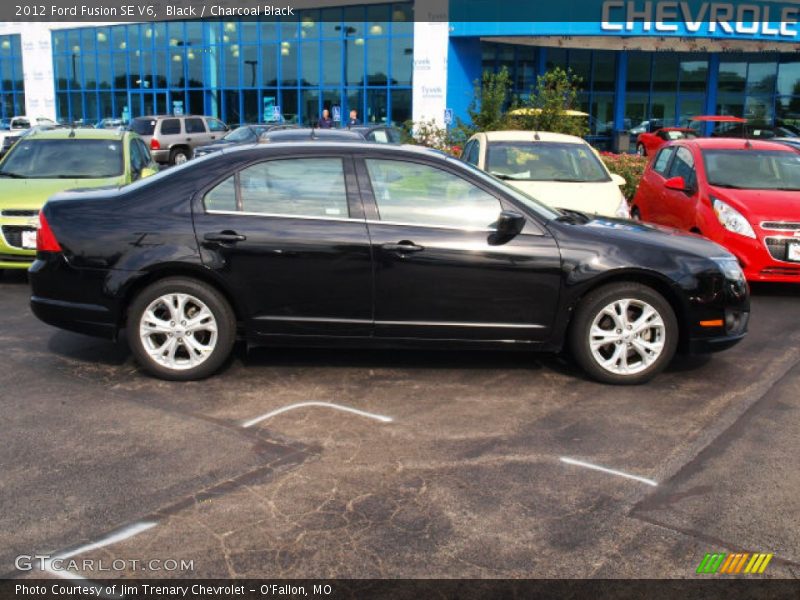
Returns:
point(440, 273)
point(196, 132)
point(288, 235)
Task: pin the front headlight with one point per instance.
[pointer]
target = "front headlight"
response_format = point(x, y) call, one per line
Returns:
point(730, 267)
point(732, 219)
point(623, 211)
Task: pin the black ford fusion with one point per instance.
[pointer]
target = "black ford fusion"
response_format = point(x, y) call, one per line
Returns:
point(319, 243)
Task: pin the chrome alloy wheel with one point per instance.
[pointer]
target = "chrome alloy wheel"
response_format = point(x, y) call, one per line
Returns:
point(180, 158)
point(178, 331)
point(627, 336)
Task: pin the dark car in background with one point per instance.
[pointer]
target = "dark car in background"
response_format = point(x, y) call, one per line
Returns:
point(370, 244)
point(242, 135)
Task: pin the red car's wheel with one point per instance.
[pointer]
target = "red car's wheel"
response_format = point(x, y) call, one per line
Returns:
point(641, 150)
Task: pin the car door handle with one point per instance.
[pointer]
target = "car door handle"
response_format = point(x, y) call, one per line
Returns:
point(225, 237)
point(404, 247)
point(188, 139)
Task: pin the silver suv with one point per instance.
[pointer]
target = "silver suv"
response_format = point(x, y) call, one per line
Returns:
point(172, 139)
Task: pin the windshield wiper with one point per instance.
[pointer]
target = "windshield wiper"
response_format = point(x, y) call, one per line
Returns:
point(507, 177)
point(12, 175)
point(730, 186)
point(572, 216)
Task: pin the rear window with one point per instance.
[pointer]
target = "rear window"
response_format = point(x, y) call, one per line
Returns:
point(64, 159)
point(143, 126)
point(170, 127)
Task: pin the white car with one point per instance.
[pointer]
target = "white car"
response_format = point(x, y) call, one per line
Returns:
point(18, 124)
point(559, 170)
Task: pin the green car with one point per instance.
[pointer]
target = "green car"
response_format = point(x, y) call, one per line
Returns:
point(46, 162)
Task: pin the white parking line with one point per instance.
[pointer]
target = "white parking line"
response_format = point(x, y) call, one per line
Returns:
point(355, 411)
point(119, 536)
point(580, 463)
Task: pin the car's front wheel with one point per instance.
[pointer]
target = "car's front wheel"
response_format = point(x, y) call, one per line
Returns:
point(624, 333)
point(181, 329)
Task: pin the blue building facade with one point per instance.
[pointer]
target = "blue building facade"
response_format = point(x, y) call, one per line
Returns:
point(12, 87)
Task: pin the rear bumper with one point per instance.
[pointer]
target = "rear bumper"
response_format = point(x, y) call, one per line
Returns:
point(160, 156)
point(73, 299)
point(89, 319)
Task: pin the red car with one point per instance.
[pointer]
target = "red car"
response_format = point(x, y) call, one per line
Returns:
point(648, 144)
point(744, 195)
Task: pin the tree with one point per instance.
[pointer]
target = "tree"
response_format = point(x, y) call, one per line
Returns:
point(555, 93)
point(487, 111)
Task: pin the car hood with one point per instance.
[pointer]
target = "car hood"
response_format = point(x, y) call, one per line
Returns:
point(666, 239)
point(598, 198)
point(762, 205)
point(33, 193)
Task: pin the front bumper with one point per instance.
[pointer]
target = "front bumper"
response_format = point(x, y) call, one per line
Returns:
point(12, 254)
point(765, 258)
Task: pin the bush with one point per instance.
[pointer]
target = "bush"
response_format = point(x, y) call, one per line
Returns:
point(428, 133)
point(629, 166)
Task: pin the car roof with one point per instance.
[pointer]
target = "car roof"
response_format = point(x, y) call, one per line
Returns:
point(721, 143)
point(332, 143)
point(63, 133)
point(310, 134)
point(531, 136)
point(149, 117)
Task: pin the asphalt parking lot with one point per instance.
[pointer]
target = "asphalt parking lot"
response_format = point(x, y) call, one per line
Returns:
point(365, 464)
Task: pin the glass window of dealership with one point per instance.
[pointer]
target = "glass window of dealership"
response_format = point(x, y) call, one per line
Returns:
point(12, 87)
point(354, 57)
point(668, 88)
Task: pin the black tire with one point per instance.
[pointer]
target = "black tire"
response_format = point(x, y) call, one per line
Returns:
point(636, 214)
point(217, 305)
point(591, 308)
point(178, 156)
point(641, 150)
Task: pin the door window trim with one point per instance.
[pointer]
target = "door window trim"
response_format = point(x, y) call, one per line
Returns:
point(354, 203)
point(371, 206)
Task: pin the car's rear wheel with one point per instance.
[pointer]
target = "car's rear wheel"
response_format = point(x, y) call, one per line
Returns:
point(181, 329)
point(641, 150)
point(178, 156)
point(624, 333)
point(636, 214)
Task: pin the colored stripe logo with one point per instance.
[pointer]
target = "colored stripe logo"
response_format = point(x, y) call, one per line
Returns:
point(721, 563)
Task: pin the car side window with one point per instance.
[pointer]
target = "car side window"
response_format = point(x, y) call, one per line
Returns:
point(170, 127)
point(379, 135)
point(683, 166)
point(194, 125)
point(470, 153)
point(145, 152)
point(222, 197)
point(306, 187)
point(216, 125)
point(138, 161)
point(662, 160)
point(417, 194)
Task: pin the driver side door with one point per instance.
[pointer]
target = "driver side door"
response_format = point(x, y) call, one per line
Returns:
point(680, 206)
point(440, 271)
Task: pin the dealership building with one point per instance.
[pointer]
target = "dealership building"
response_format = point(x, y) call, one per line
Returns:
point(640, 60)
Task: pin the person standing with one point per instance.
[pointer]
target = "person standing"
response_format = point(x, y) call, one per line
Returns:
point(325, 121)
point(353, 118)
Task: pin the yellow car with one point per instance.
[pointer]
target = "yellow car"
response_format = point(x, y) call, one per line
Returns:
point(46, 162)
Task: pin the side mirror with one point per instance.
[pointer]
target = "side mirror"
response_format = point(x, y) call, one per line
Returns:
point(618, 179)
point(676, 183)
point(509, 224)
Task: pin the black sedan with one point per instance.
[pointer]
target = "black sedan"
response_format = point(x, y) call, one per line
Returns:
point(241, 136)
point(367, 244)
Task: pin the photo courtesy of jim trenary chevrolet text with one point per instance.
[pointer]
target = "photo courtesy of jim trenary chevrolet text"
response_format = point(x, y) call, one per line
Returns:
point(399, 299)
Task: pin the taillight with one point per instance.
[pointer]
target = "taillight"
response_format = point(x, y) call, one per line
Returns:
point(45, 239)
point(154, 145)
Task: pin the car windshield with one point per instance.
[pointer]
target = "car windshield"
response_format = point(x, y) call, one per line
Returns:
point(749, 169)
point(529, 201)
point(241, 134)
point(143, 126)
point(544, 161)
point(63, 159)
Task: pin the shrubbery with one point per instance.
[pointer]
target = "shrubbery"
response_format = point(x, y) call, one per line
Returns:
point(629, 166)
